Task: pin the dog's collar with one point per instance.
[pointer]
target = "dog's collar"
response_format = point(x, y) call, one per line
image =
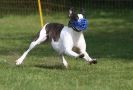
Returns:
point(79, 25)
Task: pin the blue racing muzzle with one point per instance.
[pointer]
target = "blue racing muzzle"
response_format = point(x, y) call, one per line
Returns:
point(80, 25)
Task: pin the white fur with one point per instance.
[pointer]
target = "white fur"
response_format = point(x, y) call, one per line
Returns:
point(64, 61)
point(42, 37)
point(80, 16)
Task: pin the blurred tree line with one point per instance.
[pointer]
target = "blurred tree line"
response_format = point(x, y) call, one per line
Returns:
point(29, 6)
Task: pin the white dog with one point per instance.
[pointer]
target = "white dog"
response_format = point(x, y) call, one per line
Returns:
point(67, 40)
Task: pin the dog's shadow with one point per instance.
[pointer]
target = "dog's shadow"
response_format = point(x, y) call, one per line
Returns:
point(56, 66)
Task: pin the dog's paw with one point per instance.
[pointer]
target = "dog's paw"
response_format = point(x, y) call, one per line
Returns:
point(18, 62)
point(94, 61)
point(81, 55)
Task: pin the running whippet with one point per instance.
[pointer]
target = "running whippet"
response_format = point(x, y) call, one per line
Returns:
point(67, 40)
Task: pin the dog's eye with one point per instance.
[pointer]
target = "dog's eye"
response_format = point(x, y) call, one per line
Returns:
point(74, 17)
point(77, 18)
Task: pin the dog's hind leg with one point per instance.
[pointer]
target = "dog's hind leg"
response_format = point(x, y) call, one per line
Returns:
point(42, 38)
point(64, 61)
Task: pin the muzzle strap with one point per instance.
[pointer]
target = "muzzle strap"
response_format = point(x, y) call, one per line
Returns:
point(79, 25)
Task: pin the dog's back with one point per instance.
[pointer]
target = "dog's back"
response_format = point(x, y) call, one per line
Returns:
point(53, 31)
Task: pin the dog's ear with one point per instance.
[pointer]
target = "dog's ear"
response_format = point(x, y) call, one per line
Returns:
point(82, 11)
point(71, 11)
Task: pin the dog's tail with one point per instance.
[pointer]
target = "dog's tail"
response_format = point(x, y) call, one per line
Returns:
point(41, 33)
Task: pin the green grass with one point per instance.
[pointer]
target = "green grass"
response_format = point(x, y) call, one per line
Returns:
point(109, 39)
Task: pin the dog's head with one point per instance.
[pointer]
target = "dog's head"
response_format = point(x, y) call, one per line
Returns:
point(77, 20)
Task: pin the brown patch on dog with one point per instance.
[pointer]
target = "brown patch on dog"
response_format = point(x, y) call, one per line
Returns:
point(53, 31)
point(76, 49)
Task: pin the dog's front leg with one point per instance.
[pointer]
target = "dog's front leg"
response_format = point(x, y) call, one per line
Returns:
point(82, 46)
point(68, 45)
point(69, 52)
point(87, 58)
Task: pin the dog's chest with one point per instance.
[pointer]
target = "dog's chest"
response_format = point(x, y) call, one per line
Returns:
point(76, 36)
point(68, 39)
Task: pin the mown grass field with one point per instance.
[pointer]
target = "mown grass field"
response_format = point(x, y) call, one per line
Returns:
point(109, 39)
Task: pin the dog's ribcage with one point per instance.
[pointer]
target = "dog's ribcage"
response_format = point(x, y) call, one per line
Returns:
point(63, 37)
